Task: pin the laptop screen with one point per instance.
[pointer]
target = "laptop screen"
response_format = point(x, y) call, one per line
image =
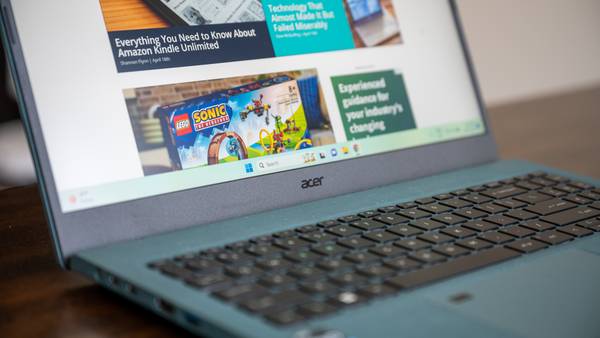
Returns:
point(143, 98)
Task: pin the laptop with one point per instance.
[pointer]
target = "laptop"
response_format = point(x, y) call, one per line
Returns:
point(373, 23)
point(264, 177)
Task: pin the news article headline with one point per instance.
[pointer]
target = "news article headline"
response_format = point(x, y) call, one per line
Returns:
point(187, 46)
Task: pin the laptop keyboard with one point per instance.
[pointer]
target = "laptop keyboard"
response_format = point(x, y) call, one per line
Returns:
point(315, 270)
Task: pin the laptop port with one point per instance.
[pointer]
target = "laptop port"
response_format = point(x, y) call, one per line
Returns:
point(165, 306)
point(192, 320)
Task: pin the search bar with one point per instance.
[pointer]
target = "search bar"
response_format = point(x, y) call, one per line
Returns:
point(280, 163)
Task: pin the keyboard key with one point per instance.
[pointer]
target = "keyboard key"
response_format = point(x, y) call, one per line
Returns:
point(369, 213)
point(285, 234)
point(405, 230)
point(476, 198)
point(369, 224)
point(361, 257)
point(459, 232)
point(276, 280)
point(527, 185)
point(480, 225)
point(348, 278)
point(426, 256)
point(527, 245)
point(273, 263)
point(201, 264)
point(533, 197)
point(389, 209)
point(538, 225)
point(305, 272)
point(491, 208)
point(477, 188)
point(556, 178)
point(242, 271)
point(388, 250)
point(511, 203)
point(233, 257)
point(567, 188)
point(451, 250)
point(520, 214)
point(202, 281)
point(427, 200)
point(407, 205)
point(329, 249)
point(595, 205)
point(503, 192)
point(391, 219)
point(414, 213)
point(381, 236)
point(517, 231)
point(470, 213)
point(333, 264)
point(320, 237)
point(571, 216)
point(552, 237)
point(475, 244)
point(456, 203)
point(543, 182)
point(496, 237)
point(435, 208)
point(427, 224)
point(452, 267)
point(348, 219)
point(460, 192)
point(592, 224)
point(575, 230)
point(402, 263)
point(291, 243)
point(356, 243)
point(307, 229)
point(318, 287)
point(501, 220)
point(581, 185)
point(450, 219)
point(301, 256)
point(443, 197)
point(328, 224)
point(550, 207)
point(578, 199)
point(553, 192)
point(241, 292)
point(436, 238)
point(263, 250)
point(375, 271)
point(590, 195)
point(412, 244)
point(344, 230)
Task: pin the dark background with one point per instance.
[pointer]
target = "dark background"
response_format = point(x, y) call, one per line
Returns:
point(8, 106)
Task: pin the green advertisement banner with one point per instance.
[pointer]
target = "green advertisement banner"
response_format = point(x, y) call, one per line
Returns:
point(373, 104)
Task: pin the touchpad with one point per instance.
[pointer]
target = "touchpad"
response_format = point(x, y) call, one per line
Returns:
point(557, 295)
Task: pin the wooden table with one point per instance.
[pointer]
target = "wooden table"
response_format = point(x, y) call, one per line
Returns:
point(37, 299)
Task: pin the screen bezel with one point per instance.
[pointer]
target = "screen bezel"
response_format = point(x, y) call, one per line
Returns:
point(80, 230)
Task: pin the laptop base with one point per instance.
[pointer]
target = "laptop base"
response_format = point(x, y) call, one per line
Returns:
point(447, 308)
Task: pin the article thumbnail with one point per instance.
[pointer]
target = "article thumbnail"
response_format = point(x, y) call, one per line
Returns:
point(373, 104)
point(188, 125)
point(156, 34)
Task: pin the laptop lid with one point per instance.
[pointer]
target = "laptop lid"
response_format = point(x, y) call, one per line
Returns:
point(140, 125)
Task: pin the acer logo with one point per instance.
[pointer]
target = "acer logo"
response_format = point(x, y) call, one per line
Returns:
point(312, 183)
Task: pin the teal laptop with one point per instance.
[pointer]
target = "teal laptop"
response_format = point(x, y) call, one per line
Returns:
point(299, 169)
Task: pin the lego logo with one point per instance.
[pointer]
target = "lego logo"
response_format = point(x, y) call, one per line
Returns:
point(182, 124)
